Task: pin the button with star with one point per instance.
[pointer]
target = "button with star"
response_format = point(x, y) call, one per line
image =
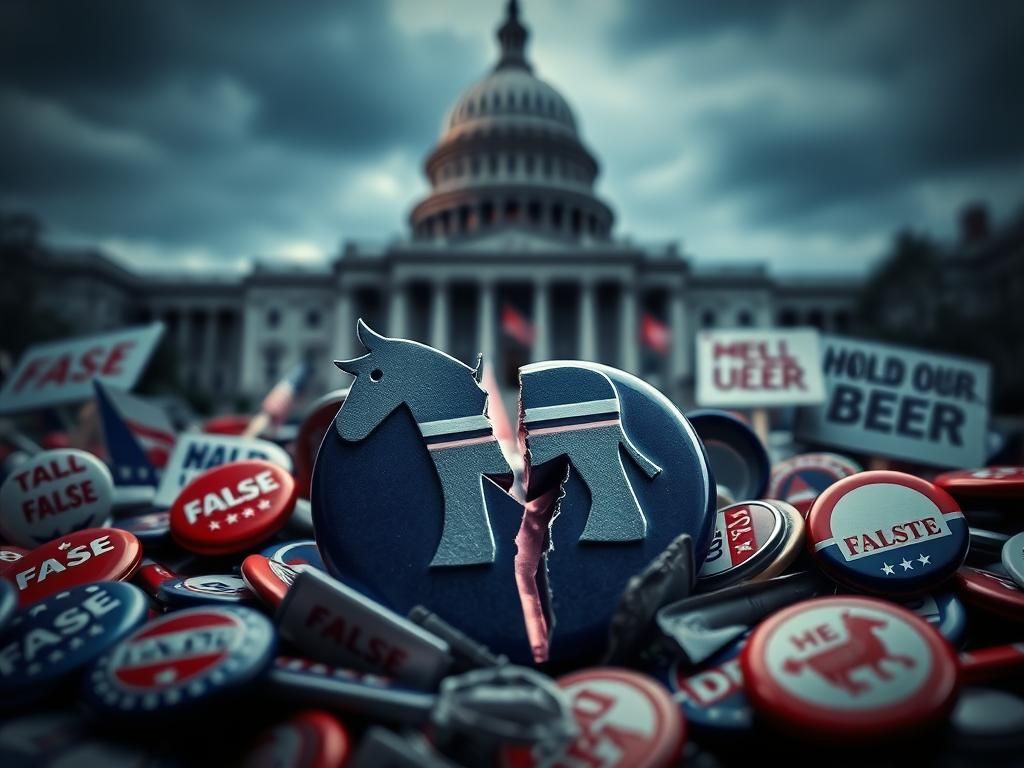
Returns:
point(888, 533)
point(55, 637)
point(232, 508)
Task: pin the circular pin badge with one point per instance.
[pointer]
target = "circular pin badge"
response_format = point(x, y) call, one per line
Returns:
point(1012, 558)
point(182, 658)
point(800, 479)
point(269, 579)
point(315, 424)
point(747, 538)
point(53, 494)
point(712, 697)
point(310, 739)
point(849, 666)
point(295, 553)
point(887, 532)
point(988, 482)
point(83, 557)
point(219, 588)
point(411, 508)
point(61, 634)
point(8, 603)
point(738, 458)
point(624, 718)
point(944, 611)
point(991, 592)
point(233, 507)
point(150, 527)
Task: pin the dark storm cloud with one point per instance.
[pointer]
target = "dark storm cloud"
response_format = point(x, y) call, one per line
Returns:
point(939, 83)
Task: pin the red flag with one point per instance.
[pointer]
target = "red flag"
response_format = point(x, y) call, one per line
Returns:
point(516, 325)
point(655, 334)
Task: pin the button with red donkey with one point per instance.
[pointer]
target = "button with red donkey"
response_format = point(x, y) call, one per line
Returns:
point(233, 507)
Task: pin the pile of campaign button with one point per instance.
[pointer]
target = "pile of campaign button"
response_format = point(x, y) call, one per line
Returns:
point(267, 578)
point(53, 494)
point(800, 479)
point(888, 533)
point(181, 658)
point(84, 557)
point(233, 507)
point(62, 633)
point(219, 588)
point(849, 667)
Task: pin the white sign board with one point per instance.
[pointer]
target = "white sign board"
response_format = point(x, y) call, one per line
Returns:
point(196, 452)
point(901, 403)
point(752, 368)
point(62, 371)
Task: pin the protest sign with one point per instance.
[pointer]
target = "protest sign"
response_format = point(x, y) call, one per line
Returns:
point(60, 372)
point(901, 403)
point(196, 452)
point(753, 368)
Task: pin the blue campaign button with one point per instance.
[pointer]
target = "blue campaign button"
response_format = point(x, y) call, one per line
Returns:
point(738, 457)
point(8, 603)
point(295, 553)
point(150, 527)
point(945, 612)
point(886, 532)
point(61, 634)
point(712, 697)
point(182, 659)
point(411, 506)
point(212, 588)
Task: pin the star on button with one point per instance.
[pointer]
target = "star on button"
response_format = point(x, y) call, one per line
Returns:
point(65, 546)
point(907, 565)
point(248, 512)
point(925, 559)
point(165, 676)
point(264, 504)
point(232, 519)
point(214, 525)
point(125, 472)
point(887, 569)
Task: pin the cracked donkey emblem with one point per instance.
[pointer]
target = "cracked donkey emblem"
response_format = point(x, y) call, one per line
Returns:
point(413, 502)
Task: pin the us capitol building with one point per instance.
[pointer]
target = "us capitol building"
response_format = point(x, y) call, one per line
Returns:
point(511, 254)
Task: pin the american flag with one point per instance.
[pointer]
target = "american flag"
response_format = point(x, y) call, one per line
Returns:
point(139, 436)
point(655, 334)
point(516, 325)
point(279, 401)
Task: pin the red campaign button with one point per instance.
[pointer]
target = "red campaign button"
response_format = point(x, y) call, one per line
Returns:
point(625, 719)
point(849, 667)
point(268, 578)
point(310, 739)
point(82, 557)
point(990, 592)
point(992, 664)
point(1000, 482)
point(233, 507)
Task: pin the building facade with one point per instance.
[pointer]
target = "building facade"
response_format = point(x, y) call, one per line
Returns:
point(511, 254)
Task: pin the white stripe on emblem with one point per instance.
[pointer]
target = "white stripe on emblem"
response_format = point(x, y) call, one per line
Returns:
point(572, 410)
point(448, 426)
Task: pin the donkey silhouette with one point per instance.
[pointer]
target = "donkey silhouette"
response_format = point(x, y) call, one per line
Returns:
point(862, 648)
point(450, 409)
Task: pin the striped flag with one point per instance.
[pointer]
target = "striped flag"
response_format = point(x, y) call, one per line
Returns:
point(516, 325)
point(139, 436)
point(279, 401)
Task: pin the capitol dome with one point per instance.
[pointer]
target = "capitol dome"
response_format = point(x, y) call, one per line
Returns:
point(509, 155)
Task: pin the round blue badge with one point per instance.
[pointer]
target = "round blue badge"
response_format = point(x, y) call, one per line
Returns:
point(945, 612)
point(182, 659)
point(712, 697)
point(738, 457)
point(213, 588)
point(62, 633)
point(887, 532)
point(296, 553)
point(411, 506)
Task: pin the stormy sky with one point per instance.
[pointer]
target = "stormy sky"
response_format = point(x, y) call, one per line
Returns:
point(202, 135)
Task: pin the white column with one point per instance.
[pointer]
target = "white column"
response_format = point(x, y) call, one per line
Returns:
point(541, 323)
point(210, 357)
point(628, 337)
point(344, 325)
point(588, 322)
point(439, 317)
point(486, 323)
point(677, 353)
point(396, 314)
point(182, 334)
